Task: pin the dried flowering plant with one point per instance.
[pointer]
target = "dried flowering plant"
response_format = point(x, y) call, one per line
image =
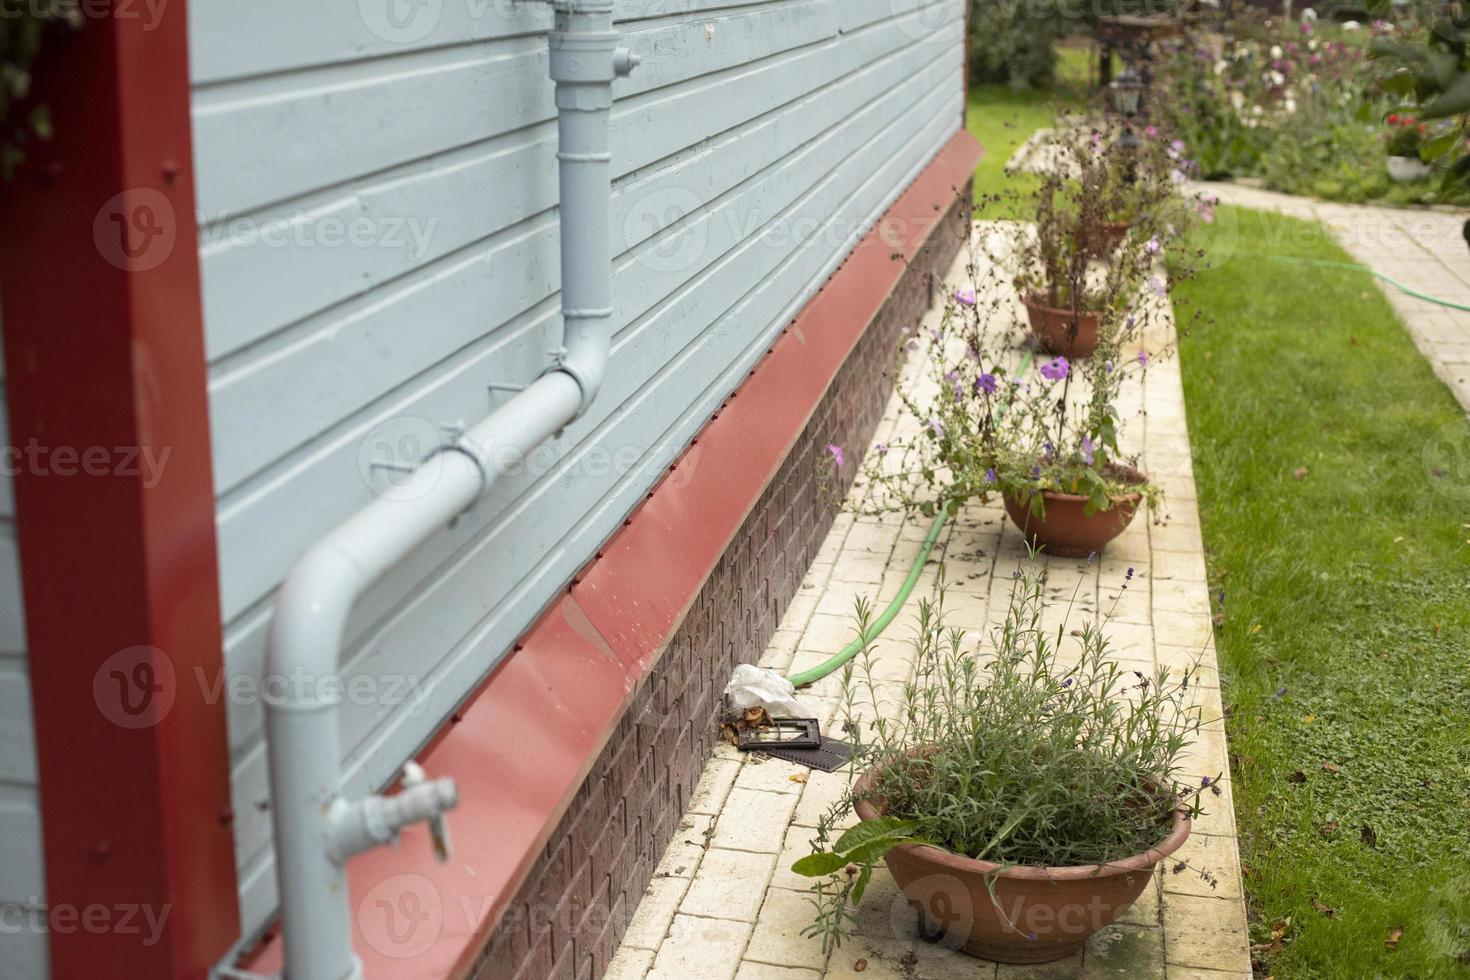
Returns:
point(1036, 748)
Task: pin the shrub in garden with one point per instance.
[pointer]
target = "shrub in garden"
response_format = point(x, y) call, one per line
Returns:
point(1036, 750)
point(1014, 42)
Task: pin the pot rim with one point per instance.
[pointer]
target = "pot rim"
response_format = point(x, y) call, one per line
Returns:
point(1031, 300)
point(1172, 841)
point(1134, 497)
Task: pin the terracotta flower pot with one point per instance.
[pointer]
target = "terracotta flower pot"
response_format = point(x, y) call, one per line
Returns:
point(1066, 529)
point(1044, 914)
point(1055, 328)
point(1109, 235)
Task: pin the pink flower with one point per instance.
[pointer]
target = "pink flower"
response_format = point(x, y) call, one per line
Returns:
point(964, 297)
point(1152, 132)
point(836, 452)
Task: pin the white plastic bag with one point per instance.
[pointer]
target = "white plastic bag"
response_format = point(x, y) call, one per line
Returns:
point(755, 687)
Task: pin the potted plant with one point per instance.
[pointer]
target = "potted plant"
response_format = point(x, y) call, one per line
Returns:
point(1405, 139)
point(1081, 270)
point(1021, 793)
point(1042, 433)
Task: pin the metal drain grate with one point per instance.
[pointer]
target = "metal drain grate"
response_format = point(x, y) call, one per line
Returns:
point(832, 756)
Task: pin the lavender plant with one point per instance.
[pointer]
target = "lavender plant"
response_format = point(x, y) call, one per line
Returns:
point(1036, 749)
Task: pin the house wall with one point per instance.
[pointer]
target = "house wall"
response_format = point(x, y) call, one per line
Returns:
point(379, 243)
point(23, 954)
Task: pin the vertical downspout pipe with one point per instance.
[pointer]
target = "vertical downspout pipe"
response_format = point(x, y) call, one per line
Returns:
point(316, 829)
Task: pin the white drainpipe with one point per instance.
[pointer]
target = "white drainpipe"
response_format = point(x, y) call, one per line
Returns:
point(316, 829)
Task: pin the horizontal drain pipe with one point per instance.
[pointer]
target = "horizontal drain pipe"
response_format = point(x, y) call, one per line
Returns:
point(316, 829)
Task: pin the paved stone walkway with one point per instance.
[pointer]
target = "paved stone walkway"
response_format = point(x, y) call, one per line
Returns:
point(724, 903)
point(1421, 248)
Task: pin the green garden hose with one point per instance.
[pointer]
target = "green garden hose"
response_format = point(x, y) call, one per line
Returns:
point(1353, 266)
point(946, 509)
point(945, 512)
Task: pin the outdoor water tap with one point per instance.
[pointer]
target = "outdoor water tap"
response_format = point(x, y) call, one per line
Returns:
point(414, 775)
point(377, 820)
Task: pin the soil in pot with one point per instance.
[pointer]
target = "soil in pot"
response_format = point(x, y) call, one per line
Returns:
point(1035, 914)
point(1066, 529)
point(1062, 331)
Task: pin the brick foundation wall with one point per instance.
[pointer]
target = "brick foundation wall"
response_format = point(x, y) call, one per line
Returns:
point(566, 920)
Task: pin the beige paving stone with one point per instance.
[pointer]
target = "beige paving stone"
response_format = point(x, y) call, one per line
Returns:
point(772, 775)
point(705, 948)
point(1205, 932)
point(1194, 973)
point(753, 821)
point(1123, 952)
point(728, 885)
point(650, 923)
point(1212, 868)
point(778, 940)
point(822, 790)
point(629, 963)
point(765, 971)
point(691, 838)
point(713, 786)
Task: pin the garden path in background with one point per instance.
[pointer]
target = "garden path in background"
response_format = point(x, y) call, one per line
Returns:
point(1419, 247)
point(724, 903)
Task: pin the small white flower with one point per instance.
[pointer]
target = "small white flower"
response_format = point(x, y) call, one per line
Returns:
point(1276, 52)
point(1350, 25)
point(1221, 66)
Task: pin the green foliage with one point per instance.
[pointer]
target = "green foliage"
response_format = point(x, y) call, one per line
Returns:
point(1014, 43)
point(1342, 598)
point(1343, 161)
point(1035, 748)
point(24, 25)
point(988, 424)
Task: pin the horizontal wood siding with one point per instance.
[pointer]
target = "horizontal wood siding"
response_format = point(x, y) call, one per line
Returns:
point(751, 149)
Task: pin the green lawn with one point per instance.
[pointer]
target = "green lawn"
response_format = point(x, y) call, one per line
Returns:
point(1333, 471)
point(1002, 119)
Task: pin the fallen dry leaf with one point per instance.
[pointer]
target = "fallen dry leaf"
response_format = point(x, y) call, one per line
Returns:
point(1394, 935)
point(1296, 777)
point(1300, 472)
point(1255, 628)
point(1398, 539)
point(1331, 767)
point(1329, 828)
point(1326, 910)
point(797, 777)
point(1279, 928)
point(859, 966)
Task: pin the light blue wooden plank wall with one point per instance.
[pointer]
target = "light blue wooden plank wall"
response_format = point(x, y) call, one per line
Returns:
point(753, 147)
point(23, 954)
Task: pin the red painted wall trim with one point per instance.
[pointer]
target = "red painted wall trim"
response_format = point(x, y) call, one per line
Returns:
point(578, 667)
point(104, 354)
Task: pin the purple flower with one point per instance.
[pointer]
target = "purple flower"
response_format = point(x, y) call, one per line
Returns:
point(1157, 286)
point(1067, 682)
point(1049, 448)
point(1152, 132)
point(1152, 246)
point(836, 452)
point(1143, 358)
point(1129, 576)
point(937, 426)
point(1087, 449)
point(964, 297)
point(1205, 782)
point(881, 449)
point(990, 476)
point(1055, 370)
point(986, 383)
